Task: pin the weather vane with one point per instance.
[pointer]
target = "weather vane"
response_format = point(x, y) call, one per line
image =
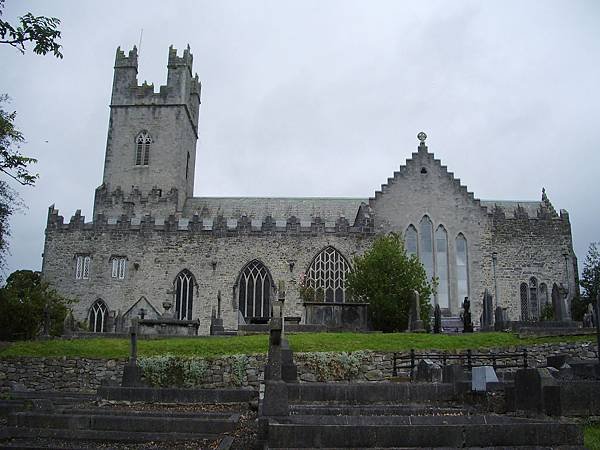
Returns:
point(421, 137)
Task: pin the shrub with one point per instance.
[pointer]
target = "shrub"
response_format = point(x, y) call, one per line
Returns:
point(385, 276)
point(169, 370)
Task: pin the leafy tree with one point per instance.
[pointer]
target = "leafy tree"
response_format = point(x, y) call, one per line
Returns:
point(385, 277)
point(590, 277)
point(23, 302)
point(43, 33)
point(40, 30)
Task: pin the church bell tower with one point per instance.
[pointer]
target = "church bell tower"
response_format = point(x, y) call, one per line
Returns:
point(151, 144)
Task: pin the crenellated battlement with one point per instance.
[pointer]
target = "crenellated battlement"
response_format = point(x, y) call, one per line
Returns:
point(219, 225)
point(182, 88)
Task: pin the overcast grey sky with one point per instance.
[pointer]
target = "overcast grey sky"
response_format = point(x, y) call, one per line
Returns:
point(325, 98)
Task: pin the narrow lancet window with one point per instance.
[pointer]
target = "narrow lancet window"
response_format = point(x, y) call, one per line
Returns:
point(462, 268)
point(426, 247)
point(411, 240)
point(441, 266)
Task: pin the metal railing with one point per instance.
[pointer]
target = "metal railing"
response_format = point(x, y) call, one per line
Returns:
point(467, 359)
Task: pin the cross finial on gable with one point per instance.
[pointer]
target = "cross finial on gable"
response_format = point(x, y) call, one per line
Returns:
point(421, 137)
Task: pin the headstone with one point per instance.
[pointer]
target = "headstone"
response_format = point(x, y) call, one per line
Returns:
point(453, 373)
point(427, 371)
point(275, 400)
point(216, 323)
point(481, 376)
point(558, 294)
point(500, 319)
point(132, 373)
point(415, 324)
point(529, 389)
point(437, 319)
point(487, 318)
point(466, 316)
point(119, 322)
point(168, 314)
point(557, 361)
point(241, 320)
point(69, 324)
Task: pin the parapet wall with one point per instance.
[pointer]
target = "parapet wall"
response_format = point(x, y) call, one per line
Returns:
point(219, 225)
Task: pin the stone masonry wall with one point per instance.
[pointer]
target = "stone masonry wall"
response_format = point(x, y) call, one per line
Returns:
point(155, 258)
point(86, 375)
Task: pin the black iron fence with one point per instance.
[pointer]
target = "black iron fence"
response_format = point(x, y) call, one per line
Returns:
point(468, 359)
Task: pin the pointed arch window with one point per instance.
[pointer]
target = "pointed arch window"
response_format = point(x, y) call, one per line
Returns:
point(441, 266)
point(142, 148)
point(543, 295)
point(462, 267)
point(411, 240)
point(184, 295)
point(255, 286)
point(327, 275)
point(97, 317)
point(426, 245)
point(534, 308)
point(524, 302)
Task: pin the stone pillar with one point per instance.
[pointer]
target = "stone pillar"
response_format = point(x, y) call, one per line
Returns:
point(415, 324)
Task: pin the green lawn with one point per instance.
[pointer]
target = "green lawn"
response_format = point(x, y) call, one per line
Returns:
point(591, 436)
point(302, 342)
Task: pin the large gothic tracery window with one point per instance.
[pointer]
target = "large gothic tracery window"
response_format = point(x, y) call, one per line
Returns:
point(184, 295)
point(327, 275)
point(98, 316)
point(254, 291)
point(142, 148)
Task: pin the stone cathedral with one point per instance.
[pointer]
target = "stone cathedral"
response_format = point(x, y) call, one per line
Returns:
point(152, 245)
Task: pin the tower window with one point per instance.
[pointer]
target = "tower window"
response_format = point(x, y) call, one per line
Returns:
point(82, 267)
point(119, 263)
point(142, 152)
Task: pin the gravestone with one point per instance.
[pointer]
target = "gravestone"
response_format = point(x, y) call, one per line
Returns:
point(481, 376)
point(69, 325)
point(437, 319)
point(529, 389)
point(216, 322)
point(132, 373)
point(500, 319)
point(487, 317)
point(119, 322)
point(415, 324)
point(558, 295)
point(275, 401)
point(453, 373)
point(465, 316)
point(427, 371)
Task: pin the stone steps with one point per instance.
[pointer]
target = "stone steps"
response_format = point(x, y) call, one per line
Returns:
point(369, 393)
point(412, 432)
point(376, 410)
point(126, 422)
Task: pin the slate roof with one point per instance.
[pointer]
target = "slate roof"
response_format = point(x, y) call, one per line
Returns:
point(304, 208)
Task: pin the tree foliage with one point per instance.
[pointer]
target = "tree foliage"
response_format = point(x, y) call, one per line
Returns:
point(40, 30)
point(385, 276)
point(43, 33)
point(23, 302)
point(590, 277)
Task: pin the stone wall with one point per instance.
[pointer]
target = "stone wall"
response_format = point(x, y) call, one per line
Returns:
point(81, 374)
point(156, 257)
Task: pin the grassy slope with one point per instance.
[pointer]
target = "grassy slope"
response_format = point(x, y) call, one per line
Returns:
point(305, 342)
